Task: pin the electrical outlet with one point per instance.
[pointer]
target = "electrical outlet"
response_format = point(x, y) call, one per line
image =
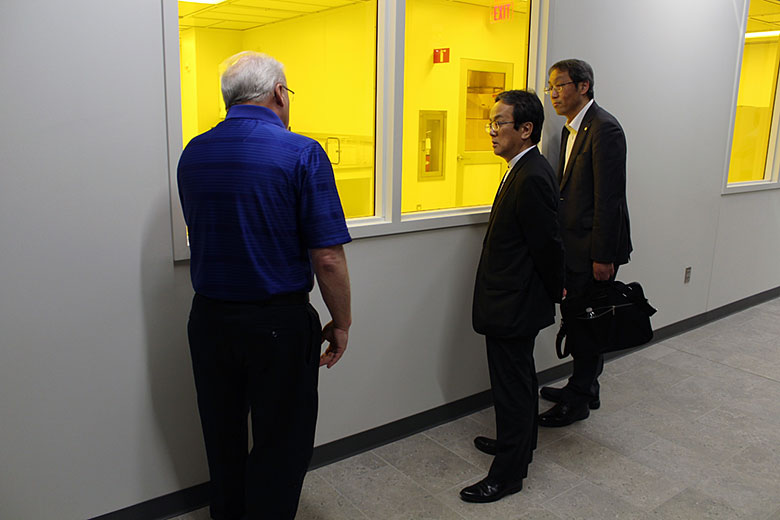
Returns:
point(687, 274)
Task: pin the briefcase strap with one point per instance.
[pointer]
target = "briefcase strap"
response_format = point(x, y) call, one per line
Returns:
point(560, 349)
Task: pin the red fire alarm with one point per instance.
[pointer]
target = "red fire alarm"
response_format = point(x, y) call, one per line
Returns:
point(441, 55)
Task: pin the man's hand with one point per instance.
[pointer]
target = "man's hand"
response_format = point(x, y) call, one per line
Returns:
point(603, 272)
point(337, 344)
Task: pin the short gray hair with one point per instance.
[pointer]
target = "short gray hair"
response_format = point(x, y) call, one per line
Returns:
point(250, 76)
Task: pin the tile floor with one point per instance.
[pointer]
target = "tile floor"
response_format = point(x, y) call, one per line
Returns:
point(688, 429)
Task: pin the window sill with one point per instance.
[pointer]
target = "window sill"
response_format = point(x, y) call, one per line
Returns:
point(744, 187)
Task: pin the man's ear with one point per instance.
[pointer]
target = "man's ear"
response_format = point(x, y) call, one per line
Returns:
point(279, 95)
point(526, 129)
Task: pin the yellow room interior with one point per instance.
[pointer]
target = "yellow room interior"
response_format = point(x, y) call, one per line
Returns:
point(328, 48)
point(757, 92)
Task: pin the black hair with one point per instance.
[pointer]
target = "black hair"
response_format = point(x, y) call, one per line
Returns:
point(578, 71)
point(526, 108)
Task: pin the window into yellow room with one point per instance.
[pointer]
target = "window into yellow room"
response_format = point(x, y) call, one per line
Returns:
point(328, 48)
point(458, 56)
point(755, 125)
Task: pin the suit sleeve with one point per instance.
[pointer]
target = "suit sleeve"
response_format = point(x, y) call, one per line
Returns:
point(609, 189)
point(537, 209)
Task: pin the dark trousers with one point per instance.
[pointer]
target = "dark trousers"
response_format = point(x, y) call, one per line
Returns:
point(262, 359)
point(514, 387)
point(583, 384)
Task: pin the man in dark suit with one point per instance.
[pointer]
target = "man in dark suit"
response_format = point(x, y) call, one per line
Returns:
point(593, 215)
point(519, 279)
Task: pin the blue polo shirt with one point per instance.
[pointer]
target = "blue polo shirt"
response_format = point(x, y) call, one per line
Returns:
point(256, 197)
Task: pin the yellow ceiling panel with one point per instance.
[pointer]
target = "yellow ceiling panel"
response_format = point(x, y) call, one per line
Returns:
point(248, 10)
point(302, 5)
point(187, 8)
point(761, 7)
point(259, 17)
point(247, 14)
point(235, 26)
point(189, 21)
point(768, 18)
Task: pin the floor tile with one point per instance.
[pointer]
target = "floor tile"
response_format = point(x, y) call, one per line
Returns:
point(589, 502)
point(423, 508)
point(430, 465)
point(752, 497)
point(623, 477)
point(546, 479)
point(321, 501)
point(508, 508)
point(453, 431)
point(677, 462)
point(655, 351)
point(688, 429)
point(694, 505)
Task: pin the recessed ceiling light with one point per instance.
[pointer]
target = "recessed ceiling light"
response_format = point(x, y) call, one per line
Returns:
point(763, 34)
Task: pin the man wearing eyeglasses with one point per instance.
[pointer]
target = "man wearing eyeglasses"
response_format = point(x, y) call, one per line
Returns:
point(593, 215)
point(263, 216)
point(519, 279)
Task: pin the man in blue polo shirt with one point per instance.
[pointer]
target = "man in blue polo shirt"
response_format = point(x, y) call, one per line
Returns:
point(264, 217)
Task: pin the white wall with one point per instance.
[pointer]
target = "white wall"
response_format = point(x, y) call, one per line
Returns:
point(666, 70)
point(96, 396)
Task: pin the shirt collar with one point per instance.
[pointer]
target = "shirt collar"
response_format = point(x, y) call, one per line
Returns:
point(254, 112)
point(513, 161)
point(577, 121)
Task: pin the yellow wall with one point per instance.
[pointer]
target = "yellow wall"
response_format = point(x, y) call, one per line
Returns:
point(755, 103)
point(202, 52)
point(330, 63)
point(466, 30)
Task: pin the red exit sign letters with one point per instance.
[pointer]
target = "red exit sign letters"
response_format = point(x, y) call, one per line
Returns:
point(501, 11)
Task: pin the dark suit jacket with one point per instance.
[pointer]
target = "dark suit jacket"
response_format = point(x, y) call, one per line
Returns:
point(593, 212)
point(520, 273)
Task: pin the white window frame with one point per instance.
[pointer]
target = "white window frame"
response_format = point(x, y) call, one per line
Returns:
point(772, 167)
point(388, 219)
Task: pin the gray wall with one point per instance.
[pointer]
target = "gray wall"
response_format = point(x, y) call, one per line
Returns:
point(96, 397)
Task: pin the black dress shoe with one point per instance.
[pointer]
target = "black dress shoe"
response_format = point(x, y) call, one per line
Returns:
point(555, 395)
point(485, 445)
point(563, 414)
point(489, 490)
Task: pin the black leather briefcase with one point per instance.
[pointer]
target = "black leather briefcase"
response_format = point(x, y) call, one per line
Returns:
point(608, 316)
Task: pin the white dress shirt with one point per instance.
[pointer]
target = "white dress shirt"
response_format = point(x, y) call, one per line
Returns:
point(573, 128)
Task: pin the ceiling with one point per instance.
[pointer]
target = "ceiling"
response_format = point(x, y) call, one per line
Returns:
point(242, 15)
point(764, 15)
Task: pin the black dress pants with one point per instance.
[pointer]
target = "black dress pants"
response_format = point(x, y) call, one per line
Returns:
point(588, 365)
point(260, 358)
point(514, 387)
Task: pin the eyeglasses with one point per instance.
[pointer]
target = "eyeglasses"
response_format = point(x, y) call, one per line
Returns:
point(291, 94)
point(495, 126)
point(557, 88)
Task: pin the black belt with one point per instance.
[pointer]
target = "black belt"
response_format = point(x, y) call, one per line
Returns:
point(296, 298)
point(299, 298)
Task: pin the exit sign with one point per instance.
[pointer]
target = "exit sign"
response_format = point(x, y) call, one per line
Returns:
point(501, 11)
